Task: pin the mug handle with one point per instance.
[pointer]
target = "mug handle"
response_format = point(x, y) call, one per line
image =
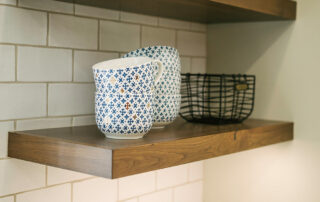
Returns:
point(160, 72)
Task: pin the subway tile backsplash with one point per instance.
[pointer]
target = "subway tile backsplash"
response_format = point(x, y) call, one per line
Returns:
point(73, 32)
point(83, 60)
point(23, 26)
point(7, 63)
point(117, 36)
point(44, 64)
point(152, 36)
point(22, 100)
point(47, 49)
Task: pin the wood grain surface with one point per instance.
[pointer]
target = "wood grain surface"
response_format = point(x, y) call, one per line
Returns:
point(85, 149)
point(205, 11)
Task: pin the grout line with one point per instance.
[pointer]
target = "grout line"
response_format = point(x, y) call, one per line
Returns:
point(176, 39)
point(90, 50)
point(46, 176)
point(4, 196)
point(47, 117)
point(172, 194)
point(47, 82)
point(14, 198)
point(49, 186)
point(47, 40)
point(72, 121)
point(16, 63)
point(98, 41)
point(164, 189)
point(47, 101)
point(72, 79)
point(156, 180)
point(59, 47)
point(140, 36)
point(4, 158)
point(71, 197)
point(15, 125)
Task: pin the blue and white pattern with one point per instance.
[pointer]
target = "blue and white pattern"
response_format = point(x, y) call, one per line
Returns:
point(167, 91)
point(133, 80)
point(124, 116)
point(166, 109)
point(171, 79)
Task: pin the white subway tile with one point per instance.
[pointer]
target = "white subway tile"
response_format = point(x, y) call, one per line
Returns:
point(84, 120)
point(152, 36)
point(185, 64)
point(96, 12)
point(7, 199)
point(5, 127)
point(160, 196)
point(176, 24)
point(136, 185)
point(22, 101)
point(131, 200)
point(198, 65)
point(172, 176)
point(44, 64)
point(192, 44)
point(97, 190)
point(60, 193)
point(138, 18)
point(58, 175)
point(198, 27)
point(116, 36)
point(84, 60)
point(7, 63)
point(17, 176)
point(34, 124)
point(192, 192)
point(71, 99)
point(48, 5)
point(195, 171)
point(23, 26)
point(9, 2)
point(73, 32)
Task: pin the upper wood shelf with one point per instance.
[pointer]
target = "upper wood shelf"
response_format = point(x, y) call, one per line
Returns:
point(85, 149)
point(205, 11)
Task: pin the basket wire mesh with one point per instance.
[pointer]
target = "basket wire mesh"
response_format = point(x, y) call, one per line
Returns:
point(217, 98)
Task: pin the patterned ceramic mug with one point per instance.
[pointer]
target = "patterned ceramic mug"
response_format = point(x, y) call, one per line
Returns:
point(171, 80)
point(127, 75)
point(124, 116)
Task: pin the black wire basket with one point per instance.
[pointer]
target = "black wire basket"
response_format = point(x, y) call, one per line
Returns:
point(217, 98)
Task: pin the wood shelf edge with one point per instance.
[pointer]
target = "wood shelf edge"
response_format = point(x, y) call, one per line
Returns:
point(166, 154)
point(108, 159)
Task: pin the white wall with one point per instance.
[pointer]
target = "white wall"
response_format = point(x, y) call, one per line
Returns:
point(47, 49)
point(285, 57)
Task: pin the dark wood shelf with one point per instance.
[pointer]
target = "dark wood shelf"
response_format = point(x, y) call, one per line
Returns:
point(85, 149)
point(205, 11)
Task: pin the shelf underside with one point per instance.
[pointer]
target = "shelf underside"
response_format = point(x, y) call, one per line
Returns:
point(85, 149)
point(205, 11)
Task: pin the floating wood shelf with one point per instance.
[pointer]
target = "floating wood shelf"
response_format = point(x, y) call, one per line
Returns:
point(205, 11)
point(85, 149)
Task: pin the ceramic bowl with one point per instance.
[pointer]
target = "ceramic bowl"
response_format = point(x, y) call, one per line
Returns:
point(124, 116)
point(166, 109)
